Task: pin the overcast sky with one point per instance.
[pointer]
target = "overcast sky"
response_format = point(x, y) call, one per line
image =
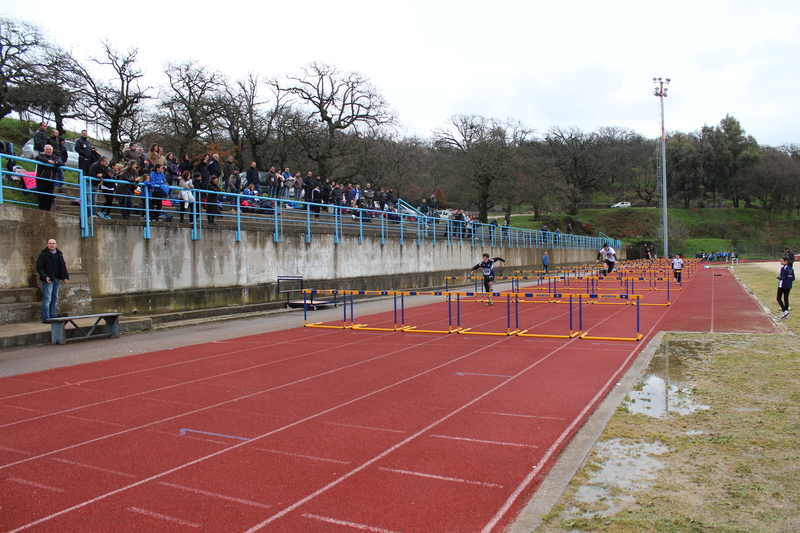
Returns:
point(570, 63)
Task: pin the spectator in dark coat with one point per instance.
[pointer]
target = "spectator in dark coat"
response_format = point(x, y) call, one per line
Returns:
point(52, 271)
point(45, 177)
point(84, 149)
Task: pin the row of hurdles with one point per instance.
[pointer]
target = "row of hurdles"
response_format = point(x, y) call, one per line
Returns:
point(555, 289)
point(629, 278)
point(455, 302)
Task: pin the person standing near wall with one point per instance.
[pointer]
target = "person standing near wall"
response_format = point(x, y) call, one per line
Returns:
point(545, 263)
point(52, 271)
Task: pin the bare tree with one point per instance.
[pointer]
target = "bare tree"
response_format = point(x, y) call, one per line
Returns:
point(52, 88)
point(256, 121)
point(115, 104)
point(489, 152)
point(578, 157)
point(337, 102)
point(189, 101)
point(20, 43)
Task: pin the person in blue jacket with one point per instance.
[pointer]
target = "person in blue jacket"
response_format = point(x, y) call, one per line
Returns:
point(545, 263)
point(786, 277)
point(157, 189)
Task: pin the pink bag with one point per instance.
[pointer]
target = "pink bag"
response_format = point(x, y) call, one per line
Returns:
point(29, 178)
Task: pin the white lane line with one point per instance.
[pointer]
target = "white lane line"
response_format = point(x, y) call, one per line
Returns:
point(12, 450)
point(216, 495)
point(94, 421)
point(301, 456)
point(366, 427)
point(362, 527)
point(19, 407)
point(443, 478)
point(479, 441)
point(34, 484)
point(521, 415)
point(92, 467)
point(165, 517)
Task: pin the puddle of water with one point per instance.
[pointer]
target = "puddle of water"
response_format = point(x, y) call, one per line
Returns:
point(625, 469)
point(665, 387)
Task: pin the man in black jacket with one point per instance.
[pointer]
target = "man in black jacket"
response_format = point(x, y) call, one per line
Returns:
point(253, 177)
point(40, 137)
point(84, 149)
point(52, 271)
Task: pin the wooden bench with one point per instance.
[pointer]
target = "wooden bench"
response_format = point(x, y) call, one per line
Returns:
point(58, 327)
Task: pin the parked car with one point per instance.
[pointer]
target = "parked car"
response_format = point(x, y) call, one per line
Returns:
point(445, 213)
point(72, 156)
point(621, 204)
point(262, 178)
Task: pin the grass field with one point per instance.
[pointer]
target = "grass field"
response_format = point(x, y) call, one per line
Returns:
point(731, 467)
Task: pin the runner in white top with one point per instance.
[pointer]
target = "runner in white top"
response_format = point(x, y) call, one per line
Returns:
point(677, 267)
point(609, 257)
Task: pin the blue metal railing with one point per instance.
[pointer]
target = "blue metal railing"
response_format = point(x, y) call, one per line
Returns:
point(314, 220)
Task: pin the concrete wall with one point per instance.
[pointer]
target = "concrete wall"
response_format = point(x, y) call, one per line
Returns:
point(119, 270)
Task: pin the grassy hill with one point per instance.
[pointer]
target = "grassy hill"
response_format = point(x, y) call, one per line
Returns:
point(752, 232)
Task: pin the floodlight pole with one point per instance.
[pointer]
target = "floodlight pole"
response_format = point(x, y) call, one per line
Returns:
point(661, 93)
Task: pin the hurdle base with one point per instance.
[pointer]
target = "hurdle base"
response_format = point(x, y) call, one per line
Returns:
point(545, 336)
point(634, 339)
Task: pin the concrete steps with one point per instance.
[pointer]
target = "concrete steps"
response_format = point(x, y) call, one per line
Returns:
point(20, 305)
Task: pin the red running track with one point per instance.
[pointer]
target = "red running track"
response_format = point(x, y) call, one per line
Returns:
point(320, 429)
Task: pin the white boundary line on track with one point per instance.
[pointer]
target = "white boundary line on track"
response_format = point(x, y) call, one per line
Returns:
point(34, 484)
point(92, 467)
point(216, 495)
point(442, 478)
point(481, 441)
point(168, 518)
point(362, 527)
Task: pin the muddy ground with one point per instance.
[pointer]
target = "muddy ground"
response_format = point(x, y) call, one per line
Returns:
point(708, 440)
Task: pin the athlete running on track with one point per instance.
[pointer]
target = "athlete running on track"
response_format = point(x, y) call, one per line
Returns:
point(487, 265)
point(609, 257)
